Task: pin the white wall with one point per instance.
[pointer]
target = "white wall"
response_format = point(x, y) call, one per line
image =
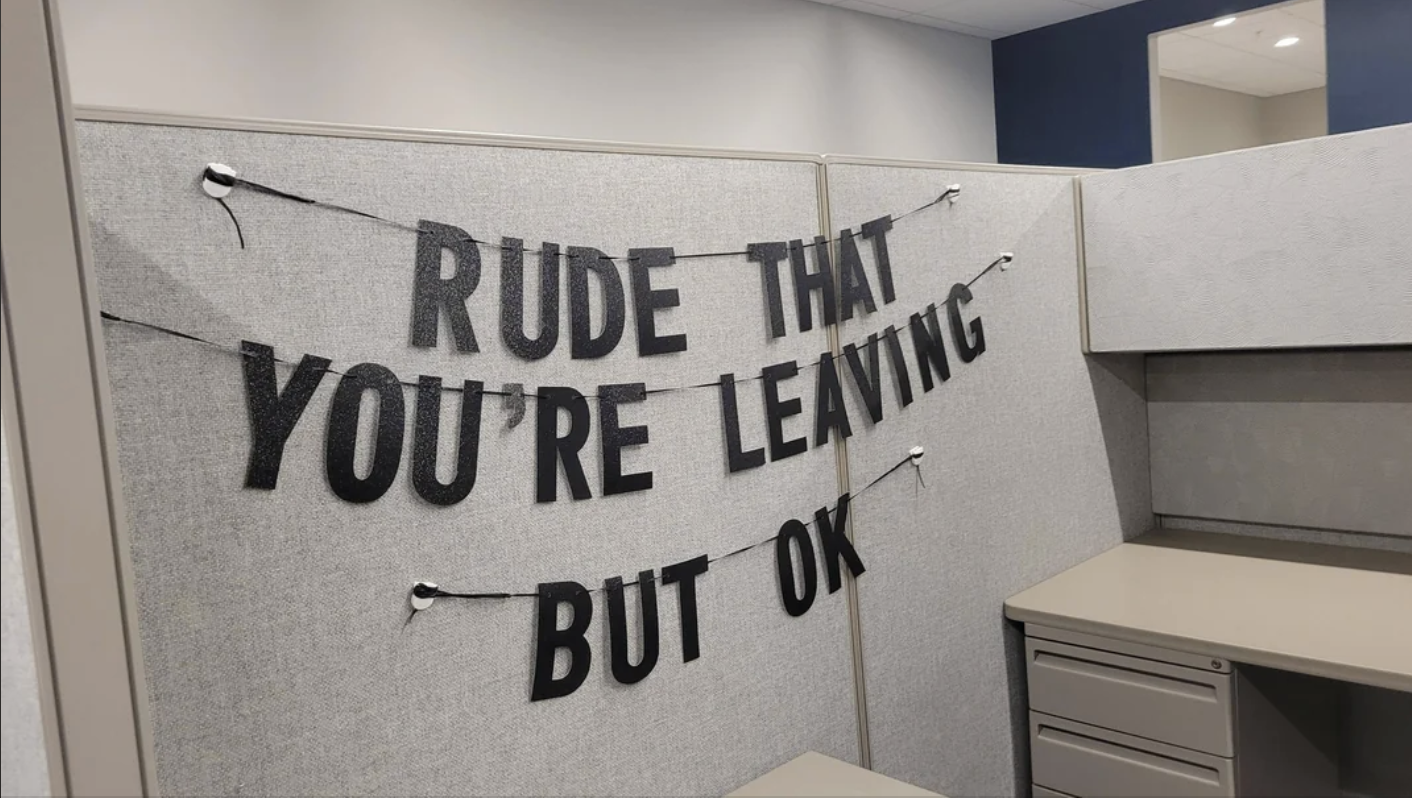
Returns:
point(757, 74)
point(1200, 120)
point(1297, 115)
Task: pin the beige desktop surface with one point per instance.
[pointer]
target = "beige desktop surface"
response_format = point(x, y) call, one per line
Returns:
point(1328, 611)
point(816, 774)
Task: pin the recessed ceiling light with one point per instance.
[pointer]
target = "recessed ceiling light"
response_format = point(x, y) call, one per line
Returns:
point(1287, 41)
point(1223, 22)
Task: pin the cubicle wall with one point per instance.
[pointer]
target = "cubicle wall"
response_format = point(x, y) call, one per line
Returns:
point(279, 653)
point(1314, 439)
point(1274, 287)
point(1302, 244)
point(1036, 459)
point(274, 624)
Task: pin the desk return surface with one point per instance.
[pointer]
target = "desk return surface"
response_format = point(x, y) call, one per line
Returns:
point(1325, 611)
point(818, 775)
point(1190, 664)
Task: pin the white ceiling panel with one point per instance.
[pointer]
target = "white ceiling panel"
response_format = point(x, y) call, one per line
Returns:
point(988, 19)
point(944, 24)
point(933, 7)
point(1258, 33)
point(1013, 16)
point(1242, 56)
point(1313, 12)
point(872, 8)
point(1188, 53)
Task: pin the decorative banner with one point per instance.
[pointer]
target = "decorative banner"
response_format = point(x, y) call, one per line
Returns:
point(834, 548)
point(274, 410)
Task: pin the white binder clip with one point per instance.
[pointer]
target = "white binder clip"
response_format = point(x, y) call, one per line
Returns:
point(953, 193)
point(1005, 258)
point(915, 454)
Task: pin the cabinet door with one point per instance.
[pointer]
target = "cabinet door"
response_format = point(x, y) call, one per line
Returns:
point(1297, 245)
point(1084, 760)
point(1171, 703)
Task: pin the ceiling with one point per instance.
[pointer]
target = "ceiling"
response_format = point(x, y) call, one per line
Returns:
point(988, 19)
point(1242, 56)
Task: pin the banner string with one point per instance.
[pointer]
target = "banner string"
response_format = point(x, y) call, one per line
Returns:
point(1005, 258)
point(225, 180)
point(423, 590)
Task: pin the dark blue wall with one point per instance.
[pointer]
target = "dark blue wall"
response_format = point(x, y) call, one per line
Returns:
point(1370, 63)
point(1076, 93)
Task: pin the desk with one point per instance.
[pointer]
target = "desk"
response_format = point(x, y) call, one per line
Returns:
point(1321, 610)
point(1200, 664)
point(816, 774)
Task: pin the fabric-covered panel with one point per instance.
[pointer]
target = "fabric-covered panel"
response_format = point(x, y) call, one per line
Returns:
point(1036, 459)
point(1320, 440)
point(1294, 245)
point(279, 659)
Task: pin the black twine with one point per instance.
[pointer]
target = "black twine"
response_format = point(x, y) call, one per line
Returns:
point(422, 590)
point(528, 394)
point(232, 181)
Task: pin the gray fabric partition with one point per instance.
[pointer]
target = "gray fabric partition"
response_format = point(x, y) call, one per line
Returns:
point(1302, 244)
point(1316, 439)
point(273, 624)
point(1036, 459)
point(24, 767)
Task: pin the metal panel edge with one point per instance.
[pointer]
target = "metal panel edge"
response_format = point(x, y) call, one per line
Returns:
point(56, 363)
point(29, 563)
point(1085, 342)
point(855, 617)
point(966, 166)
point(88, 113)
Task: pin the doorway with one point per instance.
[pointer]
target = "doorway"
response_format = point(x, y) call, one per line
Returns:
point(1238, 81)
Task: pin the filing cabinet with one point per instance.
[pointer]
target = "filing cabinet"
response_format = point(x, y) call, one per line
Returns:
point(1115, 718)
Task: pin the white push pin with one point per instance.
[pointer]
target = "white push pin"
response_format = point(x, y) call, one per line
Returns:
point(916, 455)
point(423, 594)
point(954, 192)
point(218, 180)
point(1005, 258)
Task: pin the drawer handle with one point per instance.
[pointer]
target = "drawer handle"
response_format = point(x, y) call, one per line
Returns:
point(1116, 673)
point(1135, 756)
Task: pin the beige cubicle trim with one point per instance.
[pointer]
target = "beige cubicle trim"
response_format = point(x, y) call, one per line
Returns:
point(1084, 345)
point(98, 113)
point(58, 406)
point(29, 564)
point(840, 450)
point(1299, 607)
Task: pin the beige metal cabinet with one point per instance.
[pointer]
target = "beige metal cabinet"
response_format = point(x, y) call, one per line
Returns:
point(1114, 718)
point(1157, 700)
point(1084, 760)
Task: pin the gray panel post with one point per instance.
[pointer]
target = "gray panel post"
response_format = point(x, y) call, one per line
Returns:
point(57, 403)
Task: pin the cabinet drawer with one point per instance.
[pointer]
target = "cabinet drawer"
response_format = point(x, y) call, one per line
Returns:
point(1168, 703)
point(1079, 759)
